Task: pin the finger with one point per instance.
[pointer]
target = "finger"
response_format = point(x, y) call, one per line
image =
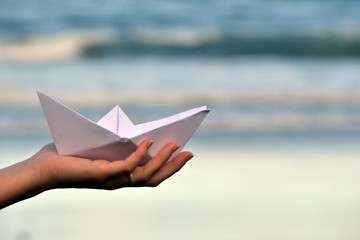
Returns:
point(133, 160)
point(169, 169)
point(145, 172)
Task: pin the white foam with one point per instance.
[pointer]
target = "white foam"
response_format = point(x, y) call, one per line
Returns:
point(151, 97)
point(175, 37)
point(58, 47)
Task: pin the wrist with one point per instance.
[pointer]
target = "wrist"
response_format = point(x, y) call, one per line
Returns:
point(39, 175)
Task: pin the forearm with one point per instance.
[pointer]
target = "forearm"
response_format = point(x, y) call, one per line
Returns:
point(18, 182)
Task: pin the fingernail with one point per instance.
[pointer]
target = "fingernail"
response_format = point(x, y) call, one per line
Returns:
point(189, 156)
point(176, 147)
point(150, 142)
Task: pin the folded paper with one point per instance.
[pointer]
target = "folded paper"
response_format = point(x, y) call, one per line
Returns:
point(114, 136)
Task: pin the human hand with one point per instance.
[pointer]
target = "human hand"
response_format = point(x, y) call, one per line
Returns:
point(47, 170)
point(58, 171)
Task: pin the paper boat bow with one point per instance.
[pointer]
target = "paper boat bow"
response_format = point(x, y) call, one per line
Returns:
point(115, 137)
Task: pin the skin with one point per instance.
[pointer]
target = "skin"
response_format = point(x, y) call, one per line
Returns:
point(47, 170)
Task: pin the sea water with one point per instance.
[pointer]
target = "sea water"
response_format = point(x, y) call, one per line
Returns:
point(276, 158)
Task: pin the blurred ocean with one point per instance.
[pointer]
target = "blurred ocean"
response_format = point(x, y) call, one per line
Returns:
point(276, 158)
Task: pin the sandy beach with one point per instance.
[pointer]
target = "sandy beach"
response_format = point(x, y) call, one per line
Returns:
point(253, 192)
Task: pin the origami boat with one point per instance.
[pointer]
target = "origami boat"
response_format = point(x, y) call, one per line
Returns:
point(114, 137)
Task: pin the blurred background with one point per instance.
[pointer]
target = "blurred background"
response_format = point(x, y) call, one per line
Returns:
point(276, 158)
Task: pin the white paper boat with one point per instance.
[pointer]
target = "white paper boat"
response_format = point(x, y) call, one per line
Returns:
point(114, 136)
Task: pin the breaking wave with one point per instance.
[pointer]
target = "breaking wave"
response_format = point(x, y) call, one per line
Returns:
point(243, 122)
point(176, 43)
point(151, 98)
point(230, 113)
point(49, 48)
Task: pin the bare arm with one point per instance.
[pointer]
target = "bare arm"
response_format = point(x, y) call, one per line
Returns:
point(47, 170)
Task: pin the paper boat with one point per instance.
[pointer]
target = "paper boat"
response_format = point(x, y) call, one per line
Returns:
point(114, 136)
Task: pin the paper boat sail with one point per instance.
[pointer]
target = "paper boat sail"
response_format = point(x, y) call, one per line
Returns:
point(114, 137)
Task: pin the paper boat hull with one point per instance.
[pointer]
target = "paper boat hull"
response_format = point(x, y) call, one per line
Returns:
point(112, 152)
point(76, 135)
